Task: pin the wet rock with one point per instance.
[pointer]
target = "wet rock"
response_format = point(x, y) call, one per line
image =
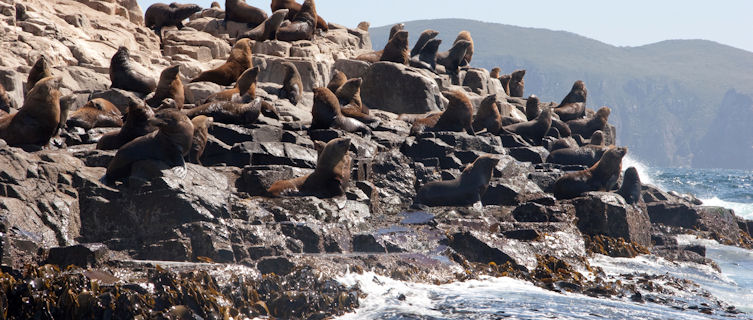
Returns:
point(367, 243)
point(603, 213)
point(529, 154)
point(82, 255)
point(476, 250)
point(277, 265)
point(397, 88)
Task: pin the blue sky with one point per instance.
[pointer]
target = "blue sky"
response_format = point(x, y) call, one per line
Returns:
point(621, 23)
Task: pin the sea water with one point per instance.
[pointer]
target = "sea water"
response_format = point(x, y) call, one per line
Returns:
point(506, 298)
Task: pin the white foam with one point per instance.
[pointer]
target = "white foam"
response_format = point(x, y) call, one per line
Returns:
point(643, 172)
point(744, 210)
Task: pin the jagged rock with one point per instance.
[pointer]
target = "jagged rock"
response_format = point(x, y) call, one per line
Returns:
point(474, 249)
point(400, 89)
point(200, 91)
point(272, 48)
point(313, 73)
point(511, 192)
point(257, 179)
point(604, 213)
point(276, 265)
point(82, 255)
point(351, 68)
point(195, 44)
point(120, 98)
point(529, 154)
point(719, 221)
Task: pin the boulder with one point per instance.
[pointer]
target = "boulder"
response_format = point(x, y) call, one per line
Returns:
point(399, 89)
point(604, 213)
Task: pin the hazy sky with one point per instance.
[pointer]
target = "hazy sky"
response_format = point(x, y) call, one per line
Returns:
point(621, 23)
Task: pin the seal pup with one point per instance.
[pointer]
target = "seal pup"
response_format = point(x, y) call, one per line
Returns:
point(326, 113)
point(96, 113)
point(586, 155)
point(396, 49)
point(463, 191)
point(201, 126)
point(602, 176)
point(39, 117)
point(329, 179)
point(364, 26)
point(494, 74)
point(246, 84)
point(239, 61)
point(458, 116)
point(587, 126)
point(338, 79)
point(240, 11)
point(573, 106)
point(536, 129)
point(161, 15)
point(465, 36)
point(169, 144)
point(241, 111)
point(631, 186)
point(292, 85)
point(5, 102)
point(293, 8)
point(488, 116)
point(39, 71)
point(427, 58)
point(136, 124)
point(268, 29)
point(302, 26)
point(169, 86)
point(505, 80)
point(423, 39)
point(453, 58)
point(124, 76)
point(517, 84)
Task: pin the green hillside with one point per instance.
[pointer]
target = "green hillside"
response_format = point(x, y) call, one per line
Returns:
point(664, 96)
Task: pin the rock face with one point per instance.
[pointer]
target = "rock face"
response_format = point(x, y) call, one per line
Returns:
point(607, 214)
point(400, 89)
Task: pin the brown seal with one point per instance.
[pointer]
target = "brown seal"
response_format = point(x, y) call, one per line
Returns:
point(586, 127)
point(375, 56)
point(5, 102)
point(169, 86)
point(463, 191)
point(494, 74)
point(293, 8)
point(573, 106)
point(66, 105)
point(532, 107)
point(453, 58)
point(631, 186)
point(329, 179)
point(215, 4)
point(602, 176)
point(427, 58)
point(534, 130)
point(238, 62)
point(396, 49)
point(96, 113)
point(39, 71)
point(364, 25)
point(466, 36)
point(161, 15)
point(423, 39)
point(268, 29)
point(517, 85)
point(136, 125)
point(597, 138)
point(169, 144)
point(302, 26)
point(241, 111)
point(326, 113)
point(583, 156)
point(201, 126)
point(123, 75)
point(38, 119)
point(562, 143)
point(458, 116)
point(338, 79)
point(505, 79)
point(292, 85)
point(239, 11)
point(349, 96)
point(421, 124)
point(246, 84)
point(488, 116)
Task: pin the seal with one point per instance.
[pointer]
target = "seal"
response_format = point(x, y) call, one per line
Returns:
point(453, 58)
point(463, 191)
point(396, 49)
point(39, 71)
point(292, 85)
point(597, 138)
point(5, 102)
point(573, 106)
point(458, 115)
point(201, 126)
point(239, 11)
point(326, 114)
point(38, 119)
point(586, 127)
point(268, 29)
point(246, 84)
point(169, 144)
point(419, 125)
point(562, 143)
point(631, 186)
point(349, 96)
point(329, 179)
point(423, 39)
point(517, 85)
point(494, 74)
point(535, 129)
point(427, 58)
point(238, 62)
point(375, 56)
point(161, 15)
point(582, 156)
point(302, 26)
point(532, 107)
point(66, 105)
point(96, 113)
point(293, 8)
point(338, 79)
point(242, 111)
point(465, 36)
point(488, 116)
point(123, 75)
point(136, 125)
point(602, 176)
point(505, 80)
point(169, 86)
point(395, 29)
point(215, 5)
point(364, 26)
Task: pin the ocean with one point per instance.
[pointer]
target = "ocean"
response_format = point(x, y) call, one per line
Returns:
point(507, 298)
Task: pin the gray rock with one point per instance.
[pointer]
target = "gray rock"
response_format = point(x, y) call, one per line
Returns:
point(607, 214)
point(400, 89)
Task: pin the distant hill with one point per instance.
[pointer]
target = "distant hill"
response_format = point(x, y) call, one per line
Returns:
point(664, 96)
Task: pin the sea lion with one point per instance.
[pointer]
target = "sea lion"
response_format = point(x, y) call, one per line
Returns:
point(463, 191)
point(466, 36)
point(169, 86)
point(38, 119)
point(582, 156)
point(427, 58)
point(631, 186)
point(349, 96)
point(201, 126)
point(96, 113)
point(421, 124)
point(375, 56)
point(169, 144)
point(505, 80)
point(573, 106)
point(66, 105)
point(458, 115)
point(246, 84)
point(453, 58)
point(597, 138)
point(239, 11)
point(292, 85)
point(338, 79)
point(488, 116)
point(326, 113)
point(563, 143)
point(396, 49)
point(238, 62)
point(532, 107)
point(536, 129)
point(586, 127)
point(517, 85)
point(562, 128)
point(364, 25)
point(395, 29)
point(293, 8)
point(123, 75)
point(302, 26)
point(423, 39)
point(39, 71)
point(329, 179)
point(268, 29)
point(242, 111)
point(5, 102)
point(494, 74)
point(215, 5)
point(602, 176)
point(161, 15)
point(136, 124)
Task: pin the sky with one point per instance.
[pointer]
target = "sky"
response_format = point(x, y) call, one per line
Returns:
point(620, 23)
